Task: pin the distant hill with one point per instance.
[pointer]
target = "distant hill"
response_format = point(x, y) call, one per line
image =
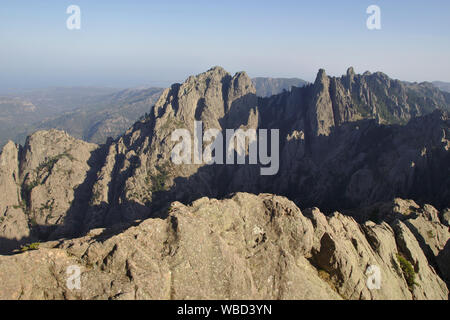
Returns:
point(444, 86)
point(22, 108)
point(266, 87)
point(88, 113)
point(108, 118)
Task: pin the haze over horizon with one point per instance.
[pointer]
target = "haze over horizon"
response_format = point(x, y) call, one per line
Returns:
point(128, 44)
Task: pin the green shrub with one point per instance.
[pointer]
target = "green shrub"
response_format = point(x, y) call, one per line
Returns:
point(408, 271)
point(31, 246)
point(50, 163)
point(159, 181)
point(48, 206)
point(33, 222)
point(95, 197)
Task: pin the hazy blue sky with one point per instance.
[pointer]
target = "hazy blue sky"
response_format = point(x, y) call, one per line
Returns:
point(134, 42)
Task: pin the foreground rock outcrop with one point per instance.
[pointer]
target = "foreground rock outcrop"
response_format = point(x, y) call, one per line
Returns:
point(245, 247)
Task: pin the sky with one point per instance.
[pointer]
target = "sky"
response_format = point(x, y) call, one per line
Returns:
point(135, 42)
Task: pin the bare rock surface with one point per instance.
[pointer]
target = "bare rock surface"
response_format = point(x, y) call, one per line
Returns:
point(13, 221)
point(38, 183)
point(245, 247)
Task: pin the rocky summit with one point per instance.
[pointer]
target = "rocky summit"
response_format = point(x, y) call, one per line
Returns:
point(371, 152)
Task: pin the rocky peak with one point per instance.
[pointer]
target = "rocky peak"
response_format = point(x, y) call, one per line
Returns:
point(320, 111)
point(242, 84)
point(39, 185)
point(350, 72)
point(381, 76)
point(350, 77)
point(210, 94)
point(217, 70)
point(321, 78)
point(8, 155)
point(42, 146)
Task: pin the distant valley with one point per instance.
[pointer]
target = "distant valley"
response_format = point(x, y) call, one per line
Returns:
point(92, 114)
